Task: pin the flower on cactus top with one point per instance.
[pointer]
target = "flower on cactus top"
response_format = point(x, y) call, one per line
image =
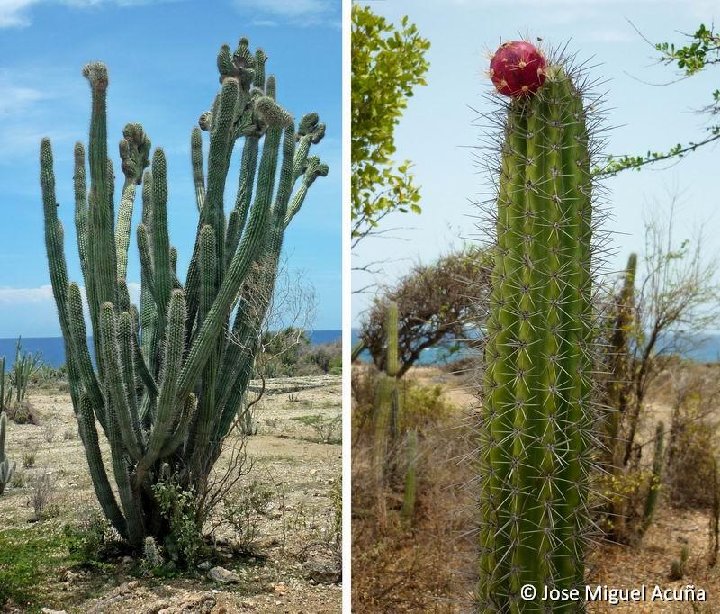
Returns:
point(517, 69)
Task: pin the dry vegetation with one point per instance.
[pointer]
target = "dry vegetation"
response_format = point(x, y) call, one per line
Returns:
point(278, 529)
point(430, 567)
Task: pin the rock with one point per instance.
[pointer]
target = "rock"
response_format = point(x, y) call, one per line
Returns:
point(204, 566)
point(223, 576)
point(126, 560)
point(50, 611)
point(322, 571)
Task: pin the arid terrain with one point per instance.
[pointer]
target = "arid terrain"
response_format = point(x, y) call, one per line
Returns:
point(290, 560)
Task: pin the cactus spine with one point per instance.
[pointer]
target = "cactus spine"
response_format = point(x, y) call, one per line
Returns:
point(168, 382)
point(536, 421)
point(6, 468)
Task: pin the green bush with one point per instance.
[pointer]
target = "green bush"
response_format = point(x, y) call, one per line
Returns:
point(184, 544)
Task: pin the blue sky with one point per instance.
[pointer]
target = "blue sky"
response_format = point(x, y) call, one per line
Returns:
point(438, 124)
point(161, 61)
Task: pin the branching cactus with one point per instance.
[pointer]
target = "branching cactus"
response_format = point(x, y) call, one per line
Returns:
point(536, 422)
point(6, 467)
point(167, 384)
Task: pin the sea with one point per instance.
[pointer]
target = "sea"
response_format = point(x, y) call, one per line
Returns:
point(52, 349)
point(705, 350)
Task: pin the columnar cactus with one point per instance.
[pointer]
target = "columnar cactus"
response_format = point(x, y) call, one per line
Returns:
point(6, 467)
point(387, 408)
point(621, 364)
point(167, 382)
point(536, 421)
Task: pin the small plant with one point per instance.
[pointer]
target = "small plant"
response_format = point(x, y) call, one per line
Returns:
point(152, 560)
point(243, 512)
point(6, 467)
point(48, 432)
point(91, 539)
point(184, 544)
point(28, 458)
point(41, 496)
point(24, 368)
point(18, 480)
point(677, 566)
point(328, 430)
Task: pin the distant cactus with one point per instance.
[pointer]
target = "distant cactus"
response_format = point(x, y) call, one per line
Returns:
point(536, 427)
point(387, 408)
point(6, 468)
point(621, 363)
point(167, 383)
point(410, 492)
point(678, 566)
point(655, 479)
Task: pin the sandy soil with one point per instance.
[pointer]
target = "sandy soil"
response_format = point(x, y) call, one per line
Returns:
point(296, 567)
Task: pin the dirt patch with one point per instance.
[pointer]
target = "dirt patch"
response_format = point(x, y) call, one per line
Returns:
point(293, 566)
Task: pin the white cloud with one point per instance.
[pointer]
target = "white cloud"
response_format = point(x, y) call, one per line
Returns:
point(15, 13)
point(301, 12)
point(43, 294)
point(26, 295)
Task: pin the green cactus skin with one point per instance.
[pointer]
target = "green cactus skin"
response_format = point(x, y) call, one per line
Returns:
point(536, 424)
point(168, 382)
point(6, 467)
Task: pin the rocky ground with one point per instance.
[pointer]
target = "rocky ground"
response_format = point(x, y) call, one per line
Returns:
point(291, 536)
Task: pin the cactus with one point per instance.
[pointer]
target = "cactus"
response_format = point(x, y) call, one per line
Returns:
point(387, 408)
point(654, 490)
point(620, 384)
point(167, 383)
point(678, 566)
point(6, 468)
point(536, 420)
point(410, 492)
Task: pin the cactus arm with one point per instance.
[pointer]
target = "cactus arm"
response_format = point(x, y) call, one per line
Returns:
point(196, 147)
point(160, 243)
point(238, 216)
point(314, 170)
point(101, 239)
point(101, 484)
point(56, 255)
point(118, 404)
point(239, 265)
point(125, 335)
point(81, 354)
point(167, 401)
point(218, 162)
point(81, 206)
point(6, 468)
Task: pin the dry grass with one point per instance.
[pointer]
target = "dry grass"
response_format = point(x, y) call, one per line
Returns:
point(426, 567)
point(430, 567)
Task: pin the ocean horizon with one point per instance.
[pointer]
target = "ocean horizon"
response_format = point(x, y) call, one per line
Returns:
point(706, 350)
point(52, 349)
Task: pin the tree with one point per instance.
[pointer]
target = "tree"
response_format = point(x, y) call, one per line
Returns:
point(436, 303)
point(387, 63)
point(660, 312)
point(703, 50)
